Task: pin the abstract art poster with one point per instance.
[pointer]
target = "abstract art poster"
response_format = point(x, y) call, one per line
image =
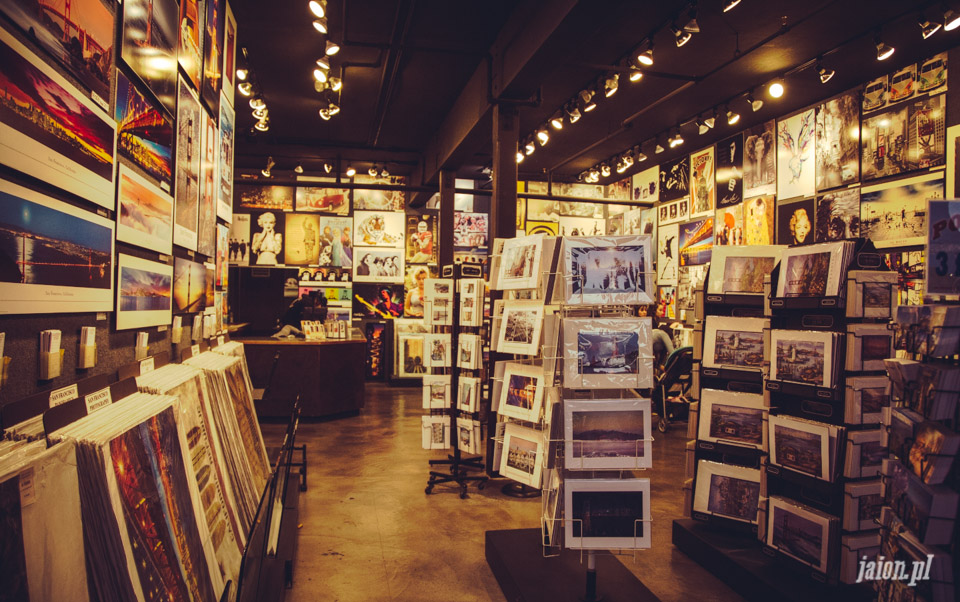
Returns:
point(758, 220)
point(795, 156)
point(760, 160)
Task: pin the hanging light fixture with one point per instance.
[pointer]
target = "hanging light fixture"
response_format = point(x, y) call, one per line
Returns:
point(270, 165)
point(586, 101)
point(324, 114)
point(320, 75)
point(677, 139)
point(732, 117)
point(951, 20)
point(529, 146)
point(543, 136)
point(621, 165)
point(327, 167)
point(701, 126)
point(245, 88)
point(825, 74)
point(611, 84)
point(262, 126)
point(776, 89)
point(351, 171)
point(298, 168)
point(318, 8)
point(681, 36)
point(320, 24)
point(711, 121)
point(692, 26)
point(257, 103)
point(628, 159)
point(324, 63)
point(573, 113)
point(641, 157)
point(755, 104)
point(520, 157)
point(331, 48)
point(884, 50)
point(730, 5)
point(635, 74)
point(333, 108)
point(556, 122)
point(658, 149)
point(260, 113)
point(928, 28)
point(646, 57)
point(384, 173)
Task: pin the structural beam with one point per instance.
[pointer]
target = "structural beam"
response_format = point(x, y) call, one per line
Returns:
point(447, 194)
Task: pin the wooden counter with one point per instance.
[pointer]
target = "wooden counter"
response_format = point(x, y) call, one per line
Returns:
point(328, 375)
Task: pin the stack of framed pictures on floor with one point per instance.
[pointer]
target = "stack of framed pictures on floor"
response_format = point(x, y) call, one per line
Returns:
point(569, 420)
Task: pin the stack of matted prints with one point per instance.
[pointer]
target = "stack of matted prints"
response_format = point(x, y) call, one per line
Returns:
point(817, 270)
point(236, 423)
point(740, 270)
point(145, 534)
point(806, 357)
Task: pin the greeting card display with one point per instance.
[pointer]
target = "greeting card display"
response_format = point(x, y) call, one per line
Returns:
point(607, 353)
point(728, 491)
point(733, 418)
point(607, 271)
point(607, 434)
point(740, 270)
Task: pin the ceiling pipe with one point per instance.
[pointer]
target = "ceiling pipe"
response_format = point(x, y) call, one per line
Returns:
point(388, 78)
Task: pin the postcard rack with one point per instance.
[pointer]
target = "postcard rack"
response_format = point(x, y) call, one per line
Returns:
point(459, 464)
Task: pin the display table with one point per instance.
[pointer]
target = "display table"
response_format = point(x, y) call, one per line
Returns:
point(328, 375)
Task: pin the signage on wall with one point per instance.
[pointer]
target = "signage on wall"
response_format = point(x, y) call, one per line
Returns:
point(943, 247)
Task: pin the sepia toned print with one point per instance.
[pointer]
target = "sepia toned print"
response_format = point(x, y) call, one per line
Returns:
point(608, 434)
point(736, 498)
point(149, 43)
point(745, 274)
point(736, 423)
point(798, 536)
point(807, 275)
point(801, 361)
point(798, 450)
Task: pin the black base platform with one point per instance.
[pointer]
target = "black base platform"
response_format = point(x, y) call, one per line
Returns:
point(739, 561)
point(516, 559)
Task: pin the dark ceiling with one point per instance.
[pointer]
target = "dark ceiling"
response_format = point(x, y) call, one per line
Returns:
point(405, 63)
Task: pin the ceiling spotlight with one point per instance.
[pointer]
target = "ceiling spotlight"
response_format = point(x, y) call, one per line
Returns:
point(951, 20)
point(331, 48)
point(335, 84)
point(755, 104)
point(605, 170)
point(884, 50)
point(701, 126)
point(320, 24)
point(776, 89)
point(711, 121)
point(556, 122)
point(260, 113)
point(659, 148)
point(646, 57)
point(682, 37)
point(351, 171)
point(825, 74)
point(333, 108)
point(621, 165)
point(641, 157)
point(677, 139)
point(692, 26)
point(298, 168)
point(635, 74)
point(732, 117)
point(520, 157)
point(928, 28)
point(321, 86)
point(611, 84)
point(628, 159)
point(730, 5)
point(543, 136)
point(262, 126)
point(373, 171)
point(325, 114)
point(266, 170)
point(586, 101)
point(320, 75)
point(242, 74)
point(384, 173)
point(319, 8)
point(324, 63)
point(327, 168)
point(245, 88)
point(529, 147)
point(573, 113)
point(257, 103)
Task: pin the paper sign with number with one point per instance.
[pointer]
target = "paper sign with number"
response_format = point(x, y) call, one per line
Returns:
point(943, 247)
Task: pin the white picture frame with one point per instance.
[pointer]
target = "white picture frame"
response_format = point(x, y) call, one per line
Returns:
point(868, 345)
point(607, 353)
point(147, 284)
point(407, 341)
point(739, 270)
point(747, 482)
point(384, 229)
point(733, 418)
point(435, 432)
point(522, 456)
point(800, 445)
point(785, 520)
point(608, 270)
point(619, 431)
point(795, 355)
point(802, 270)
point(871, 294)
point(520, 327)
point(144, 212)
point(468, 356)
point(375, 264)
point(576, 494)
point(519, 262)
point(521, 391)
point(437, 353)
point(468, 394)
point(739, 343)
point(436, 391)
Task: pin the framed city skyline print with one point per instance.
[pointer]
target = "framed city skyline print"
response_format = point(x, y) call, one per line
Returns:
point(144, 292)
point(51, 130)
point(608, 353)
point(144, 212)
point(59, 258)
point(150, 148)
point(521, 396)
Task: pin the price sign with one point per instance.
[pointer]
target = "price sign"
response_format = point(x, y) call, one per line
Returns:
point(943, 248)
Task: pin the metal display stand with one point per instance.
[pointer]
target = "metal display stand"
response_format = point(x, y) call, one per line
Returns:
point(458, 463)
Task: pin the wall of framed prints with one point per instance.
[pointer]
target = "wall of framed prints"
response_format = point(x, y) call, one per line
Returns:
point(116, 168)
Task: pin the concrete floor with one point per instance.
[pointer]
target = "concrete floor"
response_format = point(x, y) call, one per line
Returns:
point(370, 533)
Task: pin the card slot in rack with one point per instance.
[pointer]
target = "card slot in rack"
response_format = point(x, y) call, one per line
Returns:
point(727, 524)
point(806, 489)
point(830, 411)
point(732, 373)
point(801, 390)
point(733, 300)
point(729, 453)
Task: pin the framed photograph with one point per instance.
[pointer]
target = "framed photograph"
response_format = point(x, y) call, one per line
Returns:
point(607, 514)
point(734, 342)
point(470, 231)
point(795, 156)
point(702, 183)
point(520, 263)
point(59, 258)
point(607, 353)
point(437, 353)
point(690, 278)
point(646, 186)
point(838, 215)
point(259, 196)
point(374, 264)
point(520, 327)
point(866, 396)
point(675, 179)
point(144, 292)
point(733, 418)
point(435, 432)
point(581, 226)
point(838, 142)
point(189, 286)
point(726, 490)
point(893, 214)
point(378, 229)
point(469, 354)
point(468, 394)
point(468, 435)
point(378, 200)
point(212, 74)
point(795, 222)
point(209, 186)
point(51, 130)
point(522, 455)
point(799, 532)
point(729, 226)
point(187, 191)
point(906, 137)
point(668, 254)
point(436, 391)
point(868, 345)
point(803, 356)
point(422, 239)
point(322, 197)
point(696, 242)
point(148, 45)
point(760, 161)
point(411, 362)
point(740, 270)
point(229, 54)
point(303, 239)
point(266, 241)
point(225, 169)
point(191, 37)
point(812, 270)
point(607, 270)
point(144, 212)
point(607, 434)
point(239, 240)
point(800, 445)
point(521, 395)
point(150, 148)
point(758, 220)
point(730, 171)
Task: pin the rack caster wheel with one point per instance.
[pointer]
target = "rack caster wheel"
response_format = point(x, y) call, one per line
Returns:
point(463, 492)
point(428, 490)
point(662, 425)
